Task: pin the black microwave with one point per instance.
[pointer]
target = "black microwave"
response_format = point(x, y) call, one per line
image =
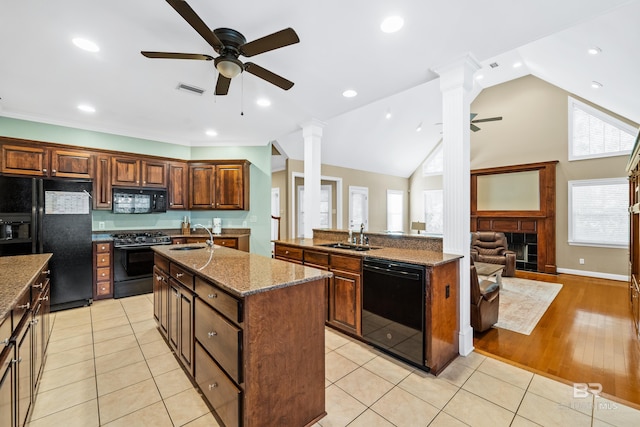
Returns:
point(139, 201)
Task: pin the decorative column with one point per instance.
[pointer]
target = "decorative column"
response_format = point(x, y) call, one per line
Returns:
point(456, 82)
point(312, 134)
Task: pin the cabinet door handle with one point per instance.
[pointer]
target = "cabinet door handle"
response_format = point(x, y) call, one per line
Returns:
point(34, 322)
point(212, 334)
point(25, 306)
point(212, 296)
point(212, 386)
point(159, 278)
point(46, 271)
point(179, 275)
point(39, 286)
point(44, 298)
point(53, 170)
point(5, 342)
point(44, 170)
point(104, 274)
point(286, 252)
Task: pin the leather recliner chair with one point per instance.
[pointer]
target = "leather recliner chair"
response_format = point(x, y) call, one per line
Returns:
point(492, 247)
point(485, 302)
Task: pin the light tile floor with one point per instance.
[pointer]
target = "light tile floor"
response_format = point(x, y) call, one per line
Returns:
point(108, 365)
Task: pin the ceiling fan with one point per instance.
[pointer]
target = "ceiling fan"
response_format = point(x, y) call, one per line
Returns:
point(476, 128)
point(230, 44)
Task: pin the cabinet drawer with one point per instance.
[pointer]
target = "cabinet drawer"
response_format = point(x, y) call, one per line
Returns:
point(23, 304)
point(315, 257)
point(220, 338)
point(103, 259)
point(181, 275)
point(103, 288)
point(103, 247)
point(227, 243)
point(346, 263)
point(221, 393)
point(218, 299)
point(103, 274)
point(289, 252)
point(161, 262)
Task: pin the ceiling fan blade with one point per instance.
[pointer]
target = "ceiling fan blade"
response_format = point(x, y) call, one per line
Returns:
point(474, 128)
point(273, 41)
point(473, 115)
point(222, 85)
point(194, 20)
point(490, 119)
point(267, 75)
point(172, 55)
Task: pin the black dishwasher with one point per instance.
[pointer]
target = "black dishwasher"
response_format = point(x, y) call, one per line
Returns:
point(393, 304)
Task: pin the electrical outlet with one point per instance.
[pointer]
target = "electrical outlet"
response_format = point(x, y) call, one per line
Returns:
point(101, 225)
point(581, 260)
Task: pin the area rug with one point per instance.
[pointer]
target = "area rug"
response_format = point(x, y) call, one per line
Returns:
point(523, 302)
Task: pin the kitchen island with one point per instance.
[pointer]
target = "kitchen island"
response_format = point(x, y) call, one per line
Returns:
point(248, 329)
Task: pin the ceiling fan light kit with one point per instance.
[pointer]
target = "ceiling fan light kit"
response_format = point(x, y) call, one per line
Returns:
point(230, 44)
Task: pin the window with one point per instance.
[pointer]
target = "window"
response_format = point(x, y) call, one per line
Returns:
point(325, 208)
point(395, 210)
point(593, 133)
point(598, 214)
point(434, 211)
point(434, 163)
point(358, 207)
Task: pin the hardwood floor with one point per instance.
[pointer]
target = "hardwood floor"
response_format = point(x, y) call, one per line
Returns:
point(586, 336)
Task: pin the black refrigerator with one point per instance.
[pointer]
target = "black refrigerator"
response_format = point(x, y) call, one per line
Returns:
point(51, 216)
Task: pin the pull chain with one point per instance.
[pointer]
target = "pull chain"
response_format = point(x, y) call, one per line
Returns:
point(242, 95)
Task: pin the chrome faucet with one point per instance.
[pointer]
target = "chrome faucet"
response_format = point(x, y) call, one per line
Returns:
point(208, 242)
point(362, 234)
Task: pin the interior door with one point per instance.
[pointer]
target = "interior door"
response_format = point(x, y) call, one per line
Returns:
point(358, 208)
point(325, 208)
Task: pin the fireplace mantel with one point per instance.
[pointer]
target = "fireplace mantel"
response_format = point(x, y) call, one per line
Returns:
point(541, 221)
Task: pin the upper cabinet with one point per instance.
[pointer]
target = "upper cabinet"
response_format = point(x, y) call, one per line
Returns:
point(178, 185)
point(102, 183)
point(137, 172)
point(46, 162)
point(71, 164)
point(219, 185)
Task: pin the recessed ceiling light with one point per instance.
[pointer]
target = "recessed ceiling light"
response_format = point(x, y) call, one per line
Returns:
point(419, 128)
point(594, 50)
point(263, 102)
point(480, 77)
point(391, 24)
point(596, 85)
point(388, 115)
point(86, 108)
point(85, 44)
point(517, 64)
point(211, 132)
point(349, 93)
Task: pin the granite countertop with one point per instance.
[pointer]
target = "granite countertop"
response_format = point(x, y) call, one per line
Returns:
point(414, 256)
point(16, 273)
point(240, 273)
point(201, 233)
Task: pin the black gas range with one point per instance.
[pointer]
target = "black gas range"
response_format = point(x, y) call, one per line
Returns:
point(146, 238)
point(133, 261)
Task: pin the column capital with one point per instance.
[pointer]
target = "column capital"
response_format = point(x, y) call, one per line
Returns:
point(458, 73)
point(312, 128)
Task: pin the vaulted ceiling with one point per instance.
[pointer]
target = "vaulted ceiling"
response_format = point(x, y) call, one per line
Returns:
point(43, 76)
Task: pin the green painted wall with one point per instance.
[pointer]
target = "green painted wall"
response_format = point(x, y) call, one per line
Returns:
point(257, 219)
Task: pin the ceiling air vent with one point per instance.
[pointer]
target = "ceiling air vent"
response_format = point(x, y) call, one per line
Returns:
point(493, 65)
point(190, 89)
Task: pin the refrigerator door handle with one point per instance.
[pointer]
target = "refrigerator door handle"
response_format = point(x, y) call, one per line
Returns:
point(40, 216)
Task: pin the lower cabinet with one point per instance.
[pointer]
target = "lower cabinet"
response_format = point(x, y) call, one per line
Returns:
point(240, 243)
point(248, 362)
point(7, 391)
point(24, 383)
point(160, 299)
point(102, 270)
point(344, 301)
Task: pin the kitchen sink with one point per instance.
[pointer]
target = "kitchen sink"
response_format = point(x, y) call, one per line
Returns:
point(186, 248)
point(348, 246)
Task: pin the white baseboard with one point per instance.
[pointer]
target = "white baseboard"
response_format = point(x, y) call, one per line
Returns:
point(621, 277)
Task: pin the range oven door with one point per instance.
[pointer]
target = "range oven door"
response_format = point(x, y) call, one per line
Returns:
point(393, 308)
point(136, 261)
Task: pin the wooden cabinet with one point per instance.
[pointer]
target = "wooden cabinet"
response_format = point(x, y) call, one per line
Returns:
point(633, 171)
point(71, 164)
point(345, 293)
point(102, 270)
point(125, 171)
point(7, 391)
point(154, 173)
point(25, 160)
point(102, 183)
point(240, 243)
point(42, 161)
point(239, 345)
point(161, 299)
point(219, 186)
point(24, 379)
point(289, 253)
point(178, 185)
